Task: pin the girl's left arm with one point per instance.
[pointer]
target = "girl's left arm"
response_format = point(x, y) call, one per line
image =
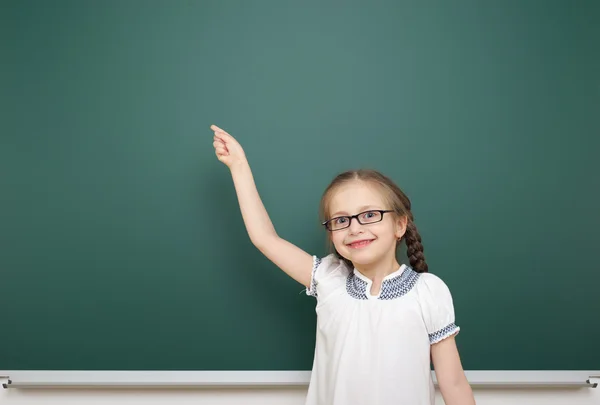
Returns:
point(450, 375)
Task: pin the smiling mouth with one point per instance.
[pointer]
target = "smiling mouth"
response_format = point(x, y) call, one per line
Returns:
point(360, 244)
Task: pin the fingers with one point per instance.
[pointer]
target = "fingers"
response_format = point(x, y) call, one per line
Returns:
point(217, 130)
point(218, 141)
point(220, 148)
point(219, 156)
point(221, 134)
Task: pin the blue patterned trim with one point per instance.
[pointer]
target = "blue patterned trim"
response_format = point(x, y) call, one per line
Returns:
point(312, 290)
point(356, 287)
point(399, 286)
point(390, 289)
point(443, 333)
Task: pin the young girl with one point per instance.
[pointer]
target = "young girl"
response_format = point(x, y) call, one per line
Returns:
point(379, 323)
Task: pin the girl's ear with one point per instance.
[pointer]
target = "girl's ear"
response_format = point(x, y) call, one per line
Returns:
point(401, 223)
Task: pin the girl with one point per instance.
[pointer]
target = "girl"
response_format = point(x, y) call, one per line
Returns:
point(379, 323)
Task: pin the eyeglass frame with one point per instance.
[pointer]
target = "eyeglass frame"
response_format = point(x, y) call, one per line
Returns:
point(351, 217)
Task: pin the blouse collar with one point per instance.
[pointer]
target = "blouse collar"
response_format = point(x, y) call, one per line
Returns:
point(394, 285)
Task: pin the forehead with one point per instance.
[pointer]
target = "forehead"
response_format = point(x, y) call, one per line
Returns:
point(354, 196)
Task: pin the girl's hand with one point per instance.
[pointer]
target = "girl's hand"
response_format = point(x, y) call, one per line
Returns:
point(227, 149)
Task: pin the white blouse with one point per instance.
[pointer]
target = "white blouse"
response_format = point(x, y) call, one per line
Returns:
point(376, 349)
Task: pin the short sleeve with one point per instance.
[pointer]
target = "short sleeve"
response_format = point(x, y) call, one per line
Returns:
point(437, 306)
point(327, 274)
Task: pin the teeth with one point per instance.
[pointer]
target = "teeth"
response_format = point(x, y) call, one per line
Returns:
point(361, 243)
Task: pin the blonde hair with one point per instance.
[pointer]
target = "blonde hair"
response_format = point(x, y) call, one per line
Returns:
point(396, 200)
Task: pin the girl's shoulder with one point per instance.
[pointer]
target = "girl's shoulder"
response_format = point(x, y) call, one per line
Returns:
point(431, 282)
point(432, 291)
point(327, 270)
point(330, 263)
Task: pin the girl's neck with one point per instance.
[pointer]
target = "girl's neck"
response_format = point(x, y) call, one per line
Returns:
point(377, 271)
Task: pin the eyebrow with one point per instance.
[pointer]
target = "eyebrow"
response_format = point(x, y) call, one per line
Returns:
point(361, 209)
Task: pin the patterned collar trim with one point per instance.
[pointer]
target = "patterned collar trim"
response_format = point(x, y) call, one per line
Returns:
point(393, 286)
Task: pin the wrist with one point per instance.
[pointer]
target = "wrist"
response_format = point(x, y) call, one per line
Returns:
point(239, 167)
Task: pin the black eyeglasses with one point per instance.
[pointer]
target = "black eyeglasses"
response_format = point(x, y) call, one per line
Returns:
point(363, 218)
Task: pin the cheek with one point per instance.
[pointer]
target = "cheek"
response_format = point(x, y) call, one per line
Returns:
point(337, 238)
point(386, 232)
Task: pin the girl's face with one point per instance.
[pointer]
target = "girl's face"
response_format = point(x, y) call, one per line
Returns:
point(366, 244)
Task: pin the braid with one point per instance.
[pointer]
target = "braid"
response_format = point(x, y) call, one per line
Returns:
point(414, 248)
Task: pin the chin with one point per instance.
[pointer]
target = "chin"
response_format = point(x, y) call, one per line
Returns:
point(362, 258)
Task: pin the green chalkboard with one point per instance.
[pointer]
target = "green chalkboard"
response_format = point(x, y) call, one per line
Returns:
point(122, 245)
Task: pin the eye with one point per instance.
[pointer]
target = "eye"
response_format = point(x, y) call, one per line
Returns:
point(370, 214)
point(340, 220)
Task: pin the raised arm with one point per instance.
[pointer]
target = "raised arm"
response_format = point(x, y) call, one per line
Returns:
point(288, 257)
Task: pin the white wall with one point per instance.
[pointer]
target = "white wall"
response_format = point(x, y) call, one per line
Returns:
point(294, 396)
